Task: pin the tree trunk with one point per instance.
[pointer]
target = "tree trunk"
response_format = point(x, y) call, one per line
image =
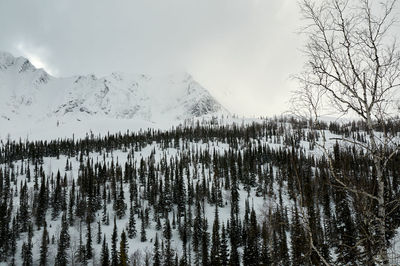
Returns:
point(381, 255)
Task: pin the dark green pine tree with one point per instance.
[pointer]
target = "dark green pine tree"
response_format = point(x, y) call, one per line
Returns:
point(24, 213)
point(44, 246)
point(123, 250)
point(167, 233)
point(26, 254)
point(234, 259)
point(42, 204)
point(81, 256)
point(251, 252)
point(284, 251)
point(143, 237)
point(224, 252)
point(114, 239)
point(132, 223)
point(205, 242)
point(167, 229)
point(265, 256)
point(27, 249)
point(56, 198)
point(71, 204)
point(89, 248)
point(169, 254)
point(298, 240)
point(345, 232)
point(215, 241)
point(13, 239)
point(63, 243)
point(120, 205)
point(99, 232)
point(105, 256)
point(197, 234)
point(157, 255)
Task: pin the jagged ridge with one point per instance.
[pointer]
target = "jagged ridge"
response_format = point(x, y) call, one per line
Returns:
point(28, 92)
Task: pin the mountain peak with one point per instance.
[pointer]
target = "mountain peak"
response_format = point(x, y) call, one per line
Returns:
point(20, 64)
point(31, 93)
point(6, 59)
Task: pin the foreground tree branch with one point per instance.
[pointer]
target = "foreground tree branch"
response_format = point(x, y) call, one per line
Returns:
point(353, 65)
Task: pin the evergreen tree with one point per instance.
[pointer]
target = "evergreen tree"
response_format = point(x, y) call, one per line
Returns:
point(44, 247)
point(298, 240)
point(143, 237)
point(27, 249)
point(42, 204)
point(26, 254)
point(205, 241)
point(98, 232)
point(265, 256)
point(89, 253)
point(215, 240)
point(123, 250)
point(105, 257)
point(56, 198)
point(63, 243)
point(169, 254)
point(119, 204)
point(224, 252)
point(24, 213)
point(251, 253)
point(132, 223)
point(234, 259)
point(157, 256)
point(81, 256)
point(114, 239)
point(346, 232)
point(167, 230)
point(197, 234)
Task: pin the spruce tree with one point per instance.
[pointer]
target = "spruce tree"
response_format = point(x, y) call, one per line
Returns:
point(224, 252)
point(63, 243)
point(123, 250)
point(44, 246)
point(143, 237)
point(26, 254)
point(251, 253)
point(197, 234)
point(105, 256)
point(157, 256)
point(89, 253)
point(42, 204)
point(98, 232)
point(265, 256)
point(81, 256)
point(215, 241)
point(114, 251)
point(205, 241)
point(119, 204)
point(27, 249)
point(132, 223)
point(167, 229)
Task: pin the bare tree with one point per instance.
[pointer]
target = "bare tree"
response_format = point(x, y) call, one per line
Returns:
point(353, 64)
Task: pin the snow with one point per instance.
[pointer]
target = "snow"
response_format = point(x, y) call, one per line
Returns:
point(32, 99)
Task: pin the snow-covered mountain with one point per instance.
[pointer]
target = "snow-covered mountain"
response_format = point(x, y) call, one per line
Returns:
point(28, 93)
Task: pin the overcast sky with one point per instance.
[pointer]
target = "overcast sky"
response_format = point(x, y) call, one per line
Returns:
point(243, 51)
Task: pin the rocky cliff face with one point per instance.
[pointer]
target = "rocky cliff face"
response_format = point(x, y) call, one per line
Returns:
point(31, 93)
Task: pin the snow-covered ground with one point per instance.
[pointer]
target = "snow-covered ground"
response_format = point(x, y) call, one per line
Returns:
point(31, 98)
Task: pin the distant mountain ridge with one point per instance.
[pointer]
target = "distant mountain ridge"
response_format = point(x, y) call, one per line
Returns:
point(31, 93)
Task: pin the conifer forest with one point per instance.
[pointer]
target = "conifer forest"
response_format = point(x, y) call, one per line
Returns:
point(203, 193)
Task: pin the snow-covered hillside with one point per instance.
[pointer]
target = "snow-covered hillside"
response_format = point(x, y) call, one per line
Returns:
point(31, 97)
point(210, 193)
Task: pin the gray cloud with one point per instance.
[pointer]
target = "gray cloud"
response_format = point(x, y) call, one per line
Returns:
point(243, 51)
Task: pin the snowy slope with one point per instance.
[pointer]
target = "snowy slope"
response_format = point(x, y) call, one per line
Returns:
point(30, 96)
